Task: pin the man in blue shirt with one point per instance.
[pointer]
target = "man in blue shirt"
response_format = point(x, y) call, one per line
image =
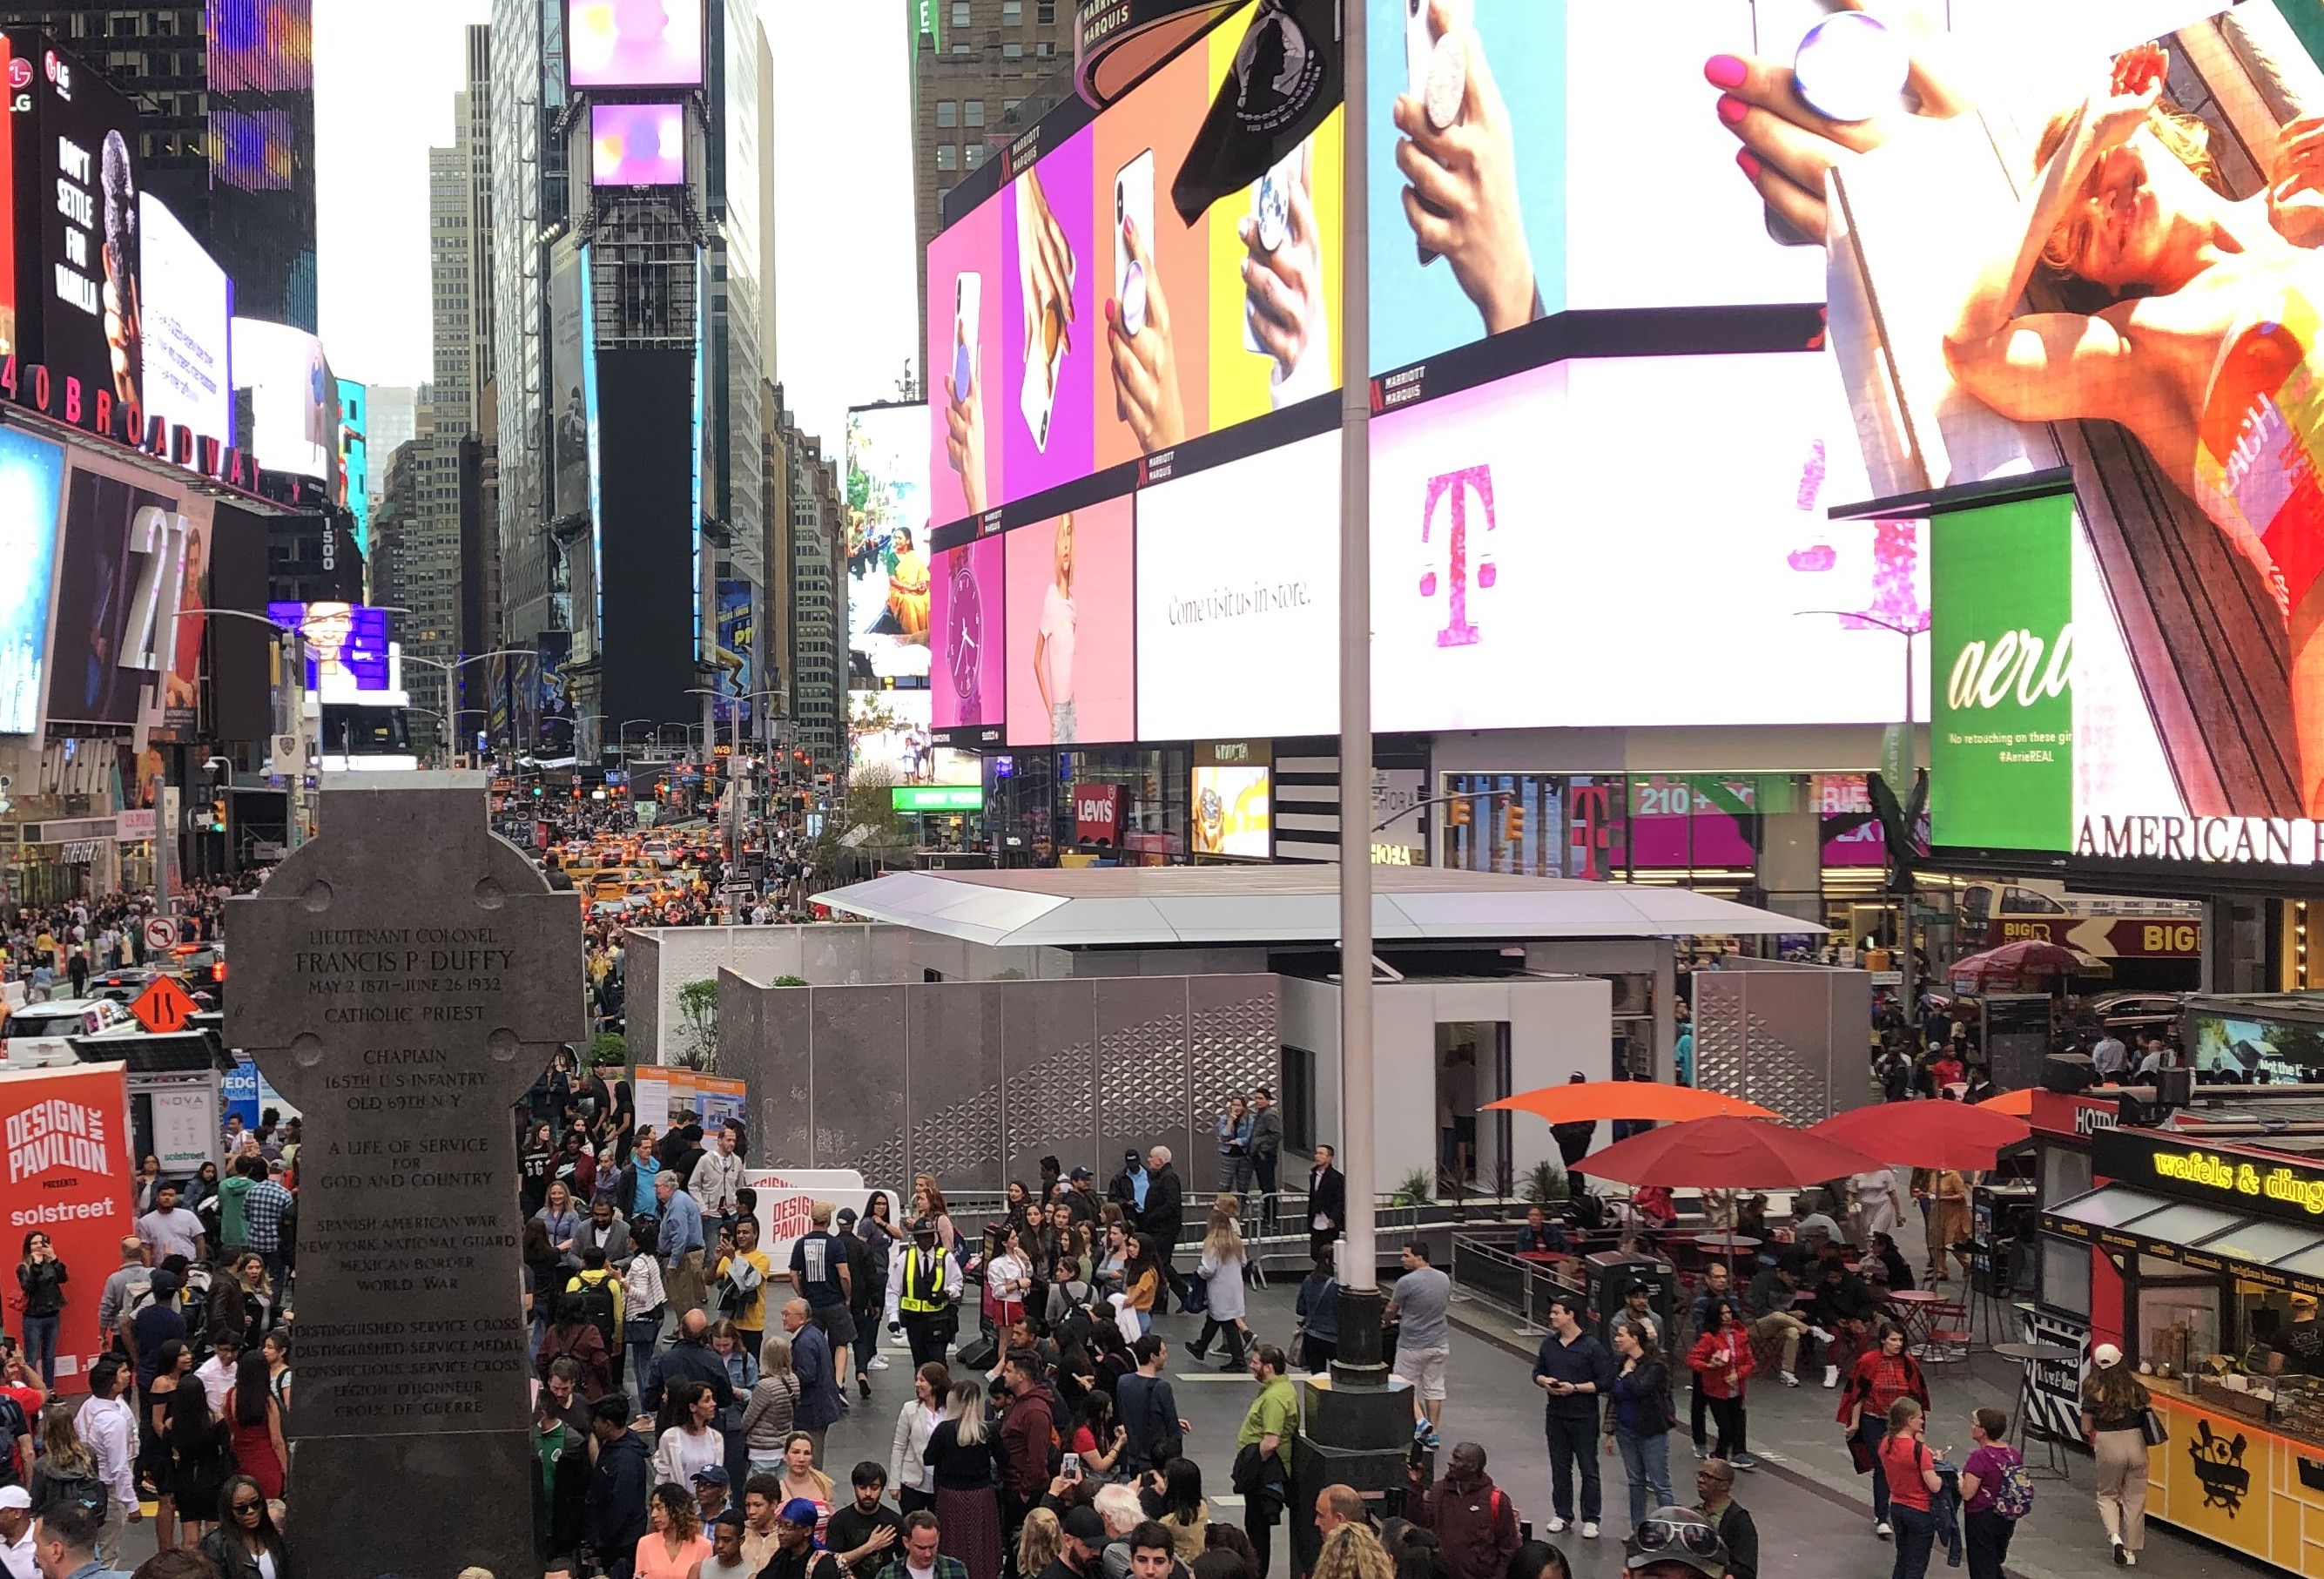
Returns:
point(821, 1401)
point(681, 1246)
point(1575, 1371)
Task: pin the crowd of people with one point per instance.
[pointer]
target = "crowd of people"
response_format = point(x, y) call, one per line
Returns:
point(53, 950)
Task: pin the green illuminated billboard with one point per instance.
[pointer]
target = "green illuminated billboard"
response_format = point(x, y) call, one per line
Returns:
point(920, 798)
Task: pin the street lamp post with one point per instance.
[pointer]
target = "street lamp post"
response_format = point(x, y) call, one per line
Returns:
point(733, 819)
point(461, 663)
point(1908, 980)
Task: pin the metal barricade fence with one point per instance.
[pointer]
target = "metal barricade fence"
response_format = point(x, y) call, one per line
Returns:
point(1495, 1274)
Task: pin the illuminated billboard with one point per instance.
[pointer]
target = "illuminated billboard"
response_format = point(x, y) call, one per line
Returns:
point(189, 304)
point(966, 627)
point(261, 46)
point(1238, 597)
point(120, 569)
point(293, 422)
point(348, 647)
point(633, 43)
point(1072, 629)
point(1490, 504)
point(91, 328)
point(32, 487)
point(888, 592)
point(2128, 667)
point(353, 492)
point(1078, 319)
point(637, 144)
point(568, 380)
point(1231, 807)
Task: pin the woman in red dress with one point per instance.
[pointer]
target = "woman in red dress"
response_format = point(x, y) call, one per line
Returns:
point(253, 1422)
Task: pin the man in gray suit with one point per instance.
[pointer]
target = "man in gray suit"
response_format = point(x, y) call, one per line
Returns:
point(608, 1231)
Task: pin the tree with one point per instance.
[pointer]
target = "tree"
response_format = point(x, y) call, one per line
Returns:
point(697, 1012)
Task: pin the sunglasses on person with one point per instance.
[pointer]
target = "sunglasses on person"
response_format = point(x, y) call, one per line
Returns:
point(1658, 1534)
point(247, 1505)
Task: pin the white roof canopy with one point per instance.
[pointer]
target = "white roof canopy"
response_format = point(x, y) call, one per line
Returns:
point(1158, 906)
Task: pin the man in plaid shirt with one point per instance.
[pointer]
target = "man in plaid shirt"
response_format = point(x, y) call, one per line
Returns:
point(262, 1221)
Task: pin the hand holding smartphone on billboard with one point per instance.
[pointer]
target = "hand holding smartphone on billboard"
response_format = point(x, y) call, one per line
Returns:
point(1458, 154)
point(1283, 270)
point(964, 395)
point(1046, 269)
point(1145, 370)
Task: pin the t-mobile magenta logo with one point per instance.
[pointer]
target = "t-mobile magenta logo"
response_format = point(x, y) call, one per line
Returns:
point(1458, 631)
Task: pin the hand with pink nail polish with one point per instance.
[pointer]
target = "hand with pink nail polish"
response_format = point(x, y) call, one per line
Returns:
point(1788, 148)
point(1461, 184)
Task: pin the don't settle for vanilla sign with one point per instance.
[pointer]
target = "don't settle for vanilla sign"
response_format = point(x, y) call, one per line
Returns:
point(2262, 1185)
point(66, 1135)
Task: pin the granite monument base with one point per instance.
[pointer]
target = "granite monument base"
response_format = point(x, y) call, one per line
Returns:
point(416, 1507)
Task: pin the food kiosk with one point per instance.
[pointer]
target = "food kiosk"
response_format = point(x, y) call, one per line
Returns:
point(2199, 1249)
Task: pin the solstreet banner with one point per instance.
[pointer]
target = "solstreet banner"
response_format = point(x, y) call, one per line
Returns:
point(69, 1167)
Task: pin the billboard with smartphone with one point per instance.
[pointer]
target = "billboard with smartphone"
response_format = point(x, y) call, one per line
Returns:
point(32, 488)
point(1078, 319)
point(1072, 623)
point(888, 590)
point(967, 627)
point(1238, 597)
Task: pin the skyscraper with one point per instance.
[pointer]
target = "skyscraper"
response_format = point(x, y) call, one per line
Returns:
point(226, 98)
point(975, 64)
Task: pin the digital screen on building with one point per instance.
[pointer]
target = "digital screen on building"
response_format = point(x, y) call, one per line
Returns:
point(91, 323)
point(352, 491)
point(1077, 320)
point(120, 568)
point(637, 144)
point(181, 696)
point(737, 667)
point(9, 138)
point(889, 730)
point(888, 592)
point(261, 46)
point(568, 380)
point(1238, 597)
point(188, 304)
point(633, 43)
point(1072, 627)
point(346, 646)
point(967, 630)
point(291, 398)
point(1493, 504)
point(254, 149)
point(1232, 809)
point(32, 487)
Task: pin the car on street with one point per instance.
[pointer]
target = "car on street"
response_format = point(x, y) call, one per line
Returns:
point(38, 1036)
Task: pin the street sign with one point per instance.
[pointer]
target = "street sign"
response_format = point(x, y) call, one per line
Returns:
point(164, 1007)
point(160, 934)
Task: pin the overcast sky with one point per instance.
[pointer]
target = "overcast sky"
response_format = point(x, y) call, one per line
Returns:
point(846, 275)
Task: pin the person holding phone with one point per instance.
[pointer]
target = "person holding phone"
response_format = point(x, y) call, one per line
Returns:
point(1283, 280)
point(1460, 182)
point(1146, 393)
point(40, 1278)
point(964, 394)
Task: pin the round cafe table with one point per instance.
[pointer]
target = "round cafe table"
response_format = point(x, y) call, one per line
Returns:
point(1730, 1245)
point(2023, 1428)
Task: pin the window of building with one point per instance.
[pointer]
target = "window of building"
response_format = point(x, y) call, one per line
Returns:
point(960, 13)
point(1044, 48)
point(973, 154)
point(958, 47)
point(1012, 13)
point(947, 112)
point(947, 157)
point(1012, 50)
point(972, 113)
point(1045, 13)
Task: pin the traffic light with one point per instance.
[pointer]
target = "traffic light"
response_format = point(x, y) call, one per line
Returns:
point(1456, 815)
point(1512, 823)
point(537, 792)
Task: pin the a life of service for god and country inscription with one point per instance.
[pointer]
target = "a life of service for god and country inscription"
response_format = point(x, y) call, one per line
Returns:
point(403, 979)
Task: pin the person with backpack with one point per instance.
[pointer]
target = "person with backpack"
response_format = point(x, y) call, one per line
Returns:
point(1475, 1524)
point(598, 1287)
point(1995, 1493)
point(1912, 1485)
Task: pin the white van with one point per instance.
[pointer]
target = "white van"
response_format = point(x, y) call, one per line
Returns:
point(35, 1035)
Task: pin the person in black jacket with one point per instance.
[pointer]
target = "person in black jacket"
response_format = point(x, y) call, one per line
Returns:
point(689, 1357)
point(1327, 1201)
point(614, 1514)
point(1714, 1488)
point(558, 1514)
point(1164, 1216)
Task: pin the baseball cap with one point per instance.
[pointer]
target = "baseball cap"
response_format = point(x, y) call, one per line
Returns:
point(799, 1510)
point(14, 1497)
point(1081, 1173)
point(715, 1475)
point(2106, 1356)
point(846, 1215)
point(1676, 1534)
point(1085, 1526)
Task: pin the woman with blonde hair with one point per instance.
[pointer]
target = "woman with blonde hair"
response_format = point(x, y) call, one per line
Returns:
point(1222, 1271)
point(968, 1509)
point(768, 1418)
point(1352, 1552)
point(1039, 1542)
point(63, 1455)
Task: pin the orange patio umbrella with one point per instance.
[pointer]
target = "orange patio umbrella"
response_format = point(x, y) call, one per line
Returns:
point(1591, 1100)
point(1926, 1134)
point(1728, 1153)
point(2018, 1104)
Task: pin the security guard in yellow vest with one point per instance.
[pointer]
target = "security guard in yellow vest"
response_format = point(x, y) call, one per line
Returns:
point(922, 1284)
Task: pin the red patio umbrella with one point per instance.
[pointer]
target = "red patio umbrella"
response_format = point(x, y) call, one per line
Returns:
point(1729, 1154)
point(1593, 1100)
point(1926, 1134)
point(2028, 959)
